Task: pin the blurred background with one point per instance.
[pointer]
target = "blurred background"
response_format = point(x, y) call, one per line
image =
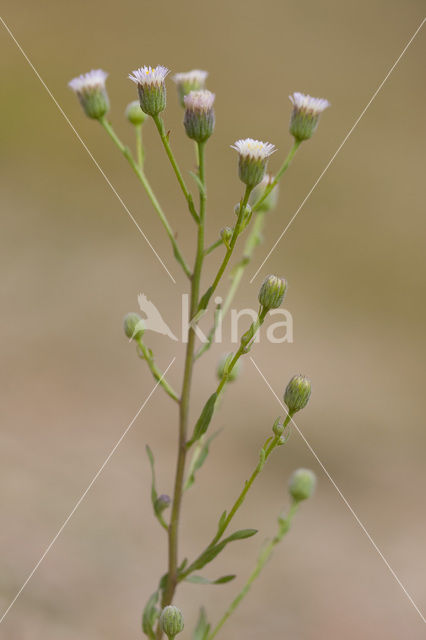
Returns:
point(73, 264)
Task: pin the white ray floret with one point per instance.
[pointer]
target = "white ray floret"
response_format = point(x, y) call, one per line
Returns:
point(92, 80)
point(255, 149)
point(307, 103)
point(199, 100)
point(149, 76)
point(196, 76)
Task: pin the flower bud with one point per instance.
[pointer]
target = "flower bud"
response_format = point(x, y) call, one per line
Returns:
point(162, 503)
point(253, 155)
point(297, 393)
point(226, 235)
point(270, 202)
point(91, 91)
point(272, 292)
point(278, 427)
point(222, 368)
point(133, 326)
point(151, 88)
point(134, 113)
point(305, 115)
point(188, 81)
point(171, 621)
point(199, 115)
point(302, 484)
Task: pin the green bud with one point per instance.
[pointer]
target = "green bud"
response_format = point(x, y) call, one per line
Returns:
point(199, 116)
point(270, 202)
point(223, 365)
point(272, 292)
point(91, 92)
point(302, 484)
point(189, 81)
point(162, 503)
point(297, 393)
point(171, 621)
point(151, 88)
point(134, 113)
point(278, 427)
point(226, 235)
point(305, 115)
point(133, 326)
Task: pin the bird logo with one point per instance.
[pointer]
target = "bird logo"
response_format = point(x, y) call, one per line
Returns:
point(153, 320)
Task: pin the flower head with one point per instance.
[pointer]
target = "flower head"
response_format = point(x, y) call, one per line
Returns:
point(305, 115)
point(302, 484)
point(253, 155)
point(134, 113)
point(272, 292)
point(189, 81)
point(151, 88)
point(171, 621)
point(199, 115)
point(297, 393)
point(91, 91)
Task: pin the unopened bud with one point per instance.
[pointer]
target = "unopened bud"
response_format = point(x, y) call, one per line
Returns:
point(199, 115)
point(297, 393)
point(91, 91)
point(278, 427)
point(302, 484)
point(272, 292)
point(305, 115)
point(133, 326)
point(222, 368)
point(151, 88)
point(226, 235)
point(188, 81)
point(253, 156)
point(162, 503)
point(134, 113)
point(171, 621)
point(270, 202)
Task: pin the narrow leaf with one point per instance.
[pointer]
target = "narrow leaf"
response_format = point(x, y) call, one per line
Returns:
point(211, 552)
point(201, 580)
point(199, 456)
point(205, 299)
point(154, 494)
point(150, 615)
point(202, 629)
point(224, 579)
point(204, 419)
point(200, 185)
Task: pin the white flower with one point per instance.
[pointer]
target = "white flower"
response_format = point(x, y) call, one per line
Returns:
point(149, 76)
point(255, 149)
point(308, 104)
point(199, 100)
point(91, 81)
point(195, 77)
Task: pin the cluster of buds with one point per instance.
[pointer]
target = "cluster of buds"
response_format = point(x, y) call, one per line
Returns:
point(272, 292)
point(302, 484)
point(151, 88)
point(253, 156)
point(305, 115)
point(188, 81)
point(171, 621)
point(297, 393)
point(199, 115)
point(91, 91)
point(133, 326)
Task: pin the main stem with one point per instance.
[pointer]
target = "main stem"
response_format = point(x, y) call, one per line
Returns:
point(172, 578)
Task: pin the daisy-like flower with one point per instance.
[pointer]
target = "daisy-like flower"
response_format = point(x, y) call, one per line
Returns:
point(151, 88)
point(253, 156)
point(91, 91)
point(305, 115)
point(199, 115)
point(189, 81)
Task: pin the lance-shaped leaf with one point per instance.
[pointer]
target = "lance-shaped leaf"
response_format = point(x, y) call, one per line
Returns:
point(204, 419)
point(150, 615)
point(211, 552)
point(202, 580)
point(154, 495)
point(202, 629)
point(198, 458)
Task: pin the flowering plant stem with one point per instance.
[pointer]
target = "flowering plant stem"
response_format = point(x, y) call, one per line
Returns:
point(285, 165)
point(265, 554)
point(172, 577)
point(146, 354)
point(143, 179)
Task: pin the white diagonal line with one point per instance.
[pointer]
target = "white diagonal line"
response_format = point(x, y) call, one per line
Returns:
point(84, 494)
point(96, 163)
point(342, 497)
point(333, 157)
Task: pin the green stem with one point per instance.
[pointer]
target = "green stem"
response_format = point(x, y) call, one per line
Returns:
point(143, 179)
point(146, 354)
point(172, 577)
point(263, 558)
point(237, 230)
point(140, 154)
point(213, 246)
point(165, 140)
point(285, 165)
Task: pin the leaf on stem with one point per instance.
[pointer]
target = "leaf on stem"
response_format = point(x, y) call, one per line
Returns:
point(211, 552)
point(205, 299)
point(199, 456)
point(202, 629)
point(200, 185)
point(150, 615)
point(202, 580)
point(204, 420)
point(154, 494)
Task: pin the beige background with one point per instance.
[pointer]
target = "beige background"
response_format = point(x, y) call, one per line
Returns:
point(73, 264)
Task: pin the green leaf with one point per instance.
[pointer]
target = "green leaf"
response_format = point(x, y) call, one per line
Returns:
point(150, 615)
point(242, 534)
point(225, 579)
point(154, 494)
point(221, 523)
point(198, 458)
point(211, 552)
point(202, 580)
point(202, 629)
point(204, 419)
point(200, 185)
point(205, 299)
